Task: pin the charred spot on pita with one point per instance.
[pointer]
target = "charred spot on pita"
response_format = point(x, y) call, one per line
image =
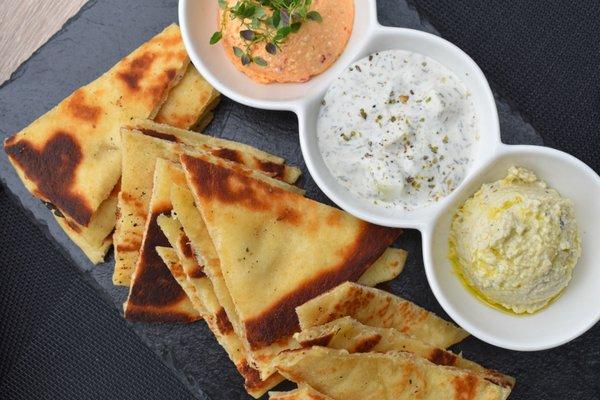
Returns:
point(82, 110)
point(441, 357)
point(53, 168)
point(135, 70)
point(158, 135)
point(155, 285)
point(228, 154)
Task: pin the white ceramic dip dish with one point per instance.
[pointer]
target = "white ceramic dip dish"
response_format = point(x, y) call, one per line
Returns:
point(575, 311)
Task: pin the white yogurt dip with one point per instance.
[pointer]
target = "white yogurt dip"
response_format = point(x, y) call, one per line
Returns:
point(398, 129)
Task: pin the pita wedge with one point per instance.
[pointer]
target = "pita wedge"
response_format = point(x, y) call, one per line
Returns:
point(383, 376)
point(154, 295)
point(70, 157)
point(186, 215)
point(96, 238)
point(287, 248)
point(204, 299)
point(143, 142)
point(348, 334)
point(381, 309)
point(172, 261)
point(304, 392)
point(189, 103)
point(387, 267)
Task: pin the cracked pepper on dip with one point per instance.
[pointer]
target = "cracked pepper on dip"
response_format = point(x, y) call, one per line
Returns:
point(284, 40)
point(398, 130)
point(515, 242)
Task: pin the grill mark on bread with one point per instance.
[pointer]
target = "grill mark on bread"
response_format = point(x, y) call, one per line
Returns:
point(52, 168)
point(197, 272)
point(441, 357)
point(465, 387)
point(365, 344)
point(228, 154)
point(274, 169)
point(232, 187)
point(158, 135)
point(223, 322)
point(184, 244)
point(281, 319)
point(129, 246)
point(154, 287)
point(135, 70)
point(322, 340)
point(251, 376)
point(80, 109)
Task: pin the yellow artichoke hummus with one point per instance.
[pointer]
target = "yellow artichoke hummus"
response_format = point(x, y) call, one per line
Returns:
point(515, 242)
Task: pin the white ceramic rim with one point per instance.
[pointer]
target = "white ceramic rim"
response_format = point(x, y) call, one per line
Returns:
point(427, 235)
point(495, 149)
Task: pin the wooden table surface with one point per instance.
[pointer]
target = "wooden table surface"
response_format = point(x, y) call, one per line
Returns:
point(25, 25)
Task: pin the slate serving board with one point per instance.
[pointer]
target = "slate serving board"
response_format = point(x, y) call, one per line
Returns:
point(106, 30)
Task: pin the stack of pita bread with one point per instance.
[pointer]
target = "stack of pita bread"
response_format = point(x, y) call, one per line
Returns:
point(363, 343)
point(224, 236)
point(70, 158)
point(207, 228)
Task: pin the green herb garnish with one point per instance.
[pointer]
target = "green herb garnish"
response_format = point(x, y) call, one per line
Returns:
point(267, 22)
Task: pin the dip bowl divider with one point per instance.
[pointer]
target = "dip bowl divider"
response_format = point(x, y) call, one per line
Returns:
point(569, 316)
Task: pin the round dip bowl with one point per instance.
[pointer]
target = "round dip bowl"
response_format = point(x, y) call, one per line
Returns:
point(575, 311)
point(577, 308)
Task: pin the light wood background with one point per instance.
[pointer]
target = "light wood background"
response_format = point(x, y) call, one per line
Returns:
point(25, 25)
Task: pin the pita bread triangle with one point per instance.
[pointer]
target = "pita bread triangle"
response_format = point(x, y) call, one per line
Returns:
point(70, 157)
point(162, 141)
point(82, 191)
point(381, 309)
point(186, 213)
point(289, 249)
point(189, 102)
point(154, 295)
point(383, 376)
point(187, 105)
point(95, 238)
point(172, 261)
point(206, 302)
point(348, 334)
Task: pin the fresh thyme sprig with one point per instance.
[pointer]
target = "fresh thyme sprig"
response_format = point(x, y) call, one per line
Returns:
point(268, 22)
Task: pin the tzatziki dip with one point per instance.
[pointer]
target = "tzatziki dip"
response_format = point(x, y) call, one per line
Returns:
point(398, 129)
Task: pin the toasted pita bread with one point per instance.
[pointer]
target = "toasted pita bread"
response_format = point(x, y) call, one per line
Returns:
point(377, 308)
point(289, 249)
point(189, 101)
point(171, 260)
point(186, 214)
point(348, 334)
point(193, 225)
point(70, 157)
point(154, 295)
point(383, 376)
point(161, 141)
point(304, 392)
point(195, 229)
point(187, 105)
point(387, 267)
point(203, 297)
point(96, 238)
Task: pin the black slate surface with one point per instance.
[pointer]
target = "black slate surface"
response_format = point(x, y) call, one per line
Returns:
point(63, 341)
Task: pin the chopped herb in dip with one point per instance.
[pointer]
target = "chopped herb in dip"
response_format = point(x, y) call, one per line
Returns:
point(417, 141)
